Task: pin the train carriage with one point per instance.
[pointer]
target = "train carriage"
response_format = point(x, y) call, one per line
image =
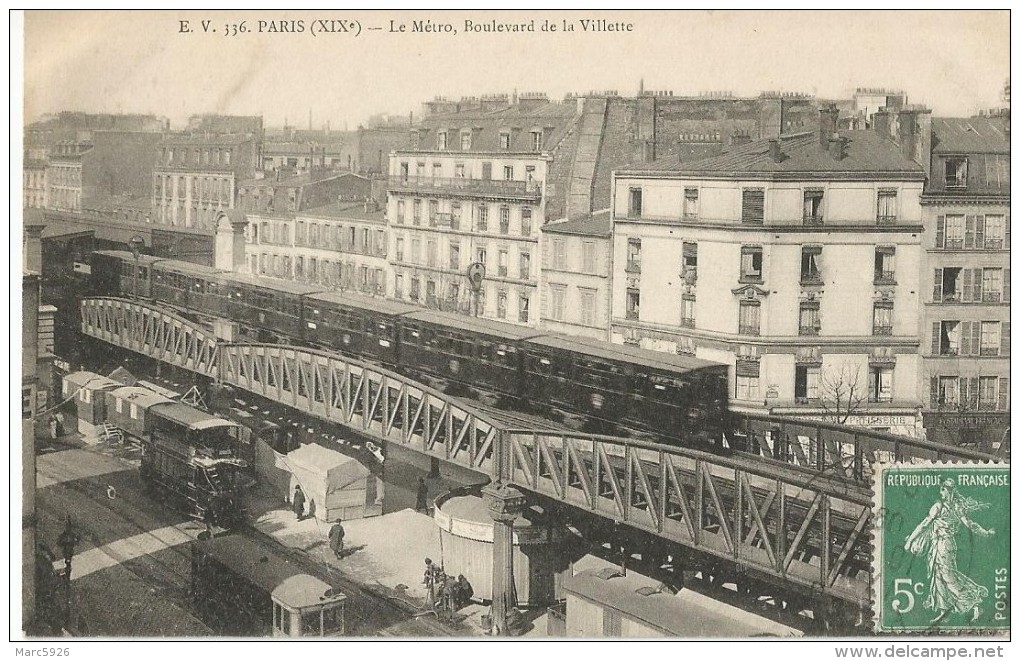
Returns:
point(249, 588)
point(119, 273)
point(468, 350)
point(359, 325)
point(192, 286)
point(273, 306)
point(666, 393)
point(127, 408)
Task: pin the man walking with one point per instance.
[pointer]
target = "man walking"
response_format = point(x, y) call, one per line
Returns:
point(299, 502)
point(336, 539)
point(421, 500)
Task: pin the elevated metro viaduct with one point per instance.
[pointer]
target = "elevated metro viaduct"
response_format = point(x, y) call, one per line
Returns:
point(792, 507)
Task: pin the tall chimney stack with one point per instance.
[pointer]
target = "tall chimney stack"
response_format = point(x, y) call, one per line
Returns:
point(775, 151)
point(880, 121)
point(827, 117)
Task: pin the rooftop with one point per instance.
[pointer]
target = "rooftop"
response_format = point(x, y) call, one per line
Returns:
point(352, 210)
point(173, 139)
point(969, 135)
point(866, 152)
point(597, 224)
point(301, 179)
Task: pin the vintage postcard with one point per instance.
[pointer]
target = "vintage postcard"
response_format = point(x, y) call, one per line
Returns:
point(556, 324)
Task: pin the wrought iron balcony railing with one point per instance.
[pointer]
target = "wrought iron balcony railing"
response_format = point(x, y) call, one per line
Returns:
point(461, 185)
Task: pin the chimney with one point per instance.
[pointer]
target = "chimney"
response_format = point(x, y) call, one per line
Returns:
point(827, 117)
point(915, 135)
point(880, 121)
point(775, 151)
point(740, 138)
point(837, 147)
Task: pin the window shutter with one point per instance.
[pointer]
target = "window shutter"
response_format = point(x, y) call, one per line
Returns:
point(1004, 339)
point(979, 231)
point(964, 394)
point(1003, 393)
point(940, 232)
point(965, 348)
point(978, 274)
point(1005, 285)
point(975, 338)
point(968, 286)
point(973, 392)
point(936, 295)
point(748, 368)
point(968, 236)
point(935, 337)
point(934, 392)
point(1005, 236)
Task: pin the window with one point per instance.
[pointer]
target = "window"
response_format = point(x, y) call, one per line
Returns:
point(747, 374)
point(956, 172)
point(465, 141)
point(405, 171)
point(991, 285)
point(437, 170)
point(810, 265)
point(453, 295)
point(416, 212)
point(431, 252)
point(226, 157)
point(433, 212)
point(525, 264)
point(689, 262)
point(430, 292)
point(880, 383)
point(559, 254)
point(504, 140)
point(687, 310)
point(400, 212)
point(525, 222)
point(751, 264)
point(455, 215)
point(529, 173)
point(633, 256)
point(536, 141)
point(813, 207)
point(501, 305)
point(398, 286)
point(587, 307)
point(587, 256)
point(948, 287)
point(480, 255)
point(806, 383)
point(752, 208)
point(750, 318)
point(440, 142)
point(483, 217)
point(486, 171)
point(885, 265)
point(455, 256)
point(502, 265)
point(882, 318)
point(458, 171)
point(988, 392)
point(508, 172)
point(949, 390)
point(994, 231)
point(363, 279)
point(504, 220)
point(810, 321)
point(633, 303)
point(954, 232)
point(419, 169)
point(416, 251)
point(559, 293)
point(133, 411)
point(634, 208)
point(886, 206)
point(990, 338)
point(949, 338)
point(415, 288)
point(690, 204)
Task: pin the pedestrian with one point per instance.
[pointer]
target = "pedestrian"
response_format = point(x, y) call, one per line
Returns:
point(299, 502)
point(53, 428)
point(464, 592)
point(421, 500)
point(60, 423)
point(429, 581)
point(336, 539)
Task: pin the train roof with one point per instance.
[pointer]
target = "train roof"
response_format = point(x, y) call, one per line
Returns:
point(285, 286)
point(383, 305)
point(143, 397)
point(190, 268)
point(128, 256)
point(91, 380)
point(661, 360)
point(475, 324)
point(191, 417)
point(304, 590)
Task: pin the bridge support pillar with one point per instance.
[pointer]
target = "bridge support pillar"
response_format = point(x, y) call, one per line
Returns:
point(505, 504)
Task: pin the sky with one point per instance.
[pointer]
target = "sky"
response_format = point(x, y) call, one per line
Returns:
point(954, 62)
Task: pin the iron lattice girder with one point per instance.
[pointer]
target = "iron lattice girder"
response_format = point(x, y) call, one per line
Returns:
point(784, 522)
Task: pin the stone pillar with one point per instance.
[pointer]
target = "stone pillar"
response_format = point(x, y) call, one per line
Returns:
point(229, 253)
point(505, 504)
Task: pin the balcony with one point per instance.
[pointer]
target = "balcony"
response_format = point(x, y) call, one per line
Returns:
point(749, 330)
point(886, 220)
point(881, 330)
point(991, 297)
point(811, 279)
point(813, 220)
point(525, 190)
point(687, 322)
point(885, 278)
point(808, 330)
point(956, 181)
point(633, 267)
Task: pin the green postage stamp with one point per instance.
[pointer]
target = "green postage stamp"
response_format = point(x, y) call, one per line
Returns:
point(941, 554)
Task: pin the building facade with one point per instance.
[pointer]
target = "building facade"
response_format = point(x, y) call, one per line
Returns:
point(64, 175)
point(794, 260)
point(965, 285)
point(575, 284)
point(34, 177)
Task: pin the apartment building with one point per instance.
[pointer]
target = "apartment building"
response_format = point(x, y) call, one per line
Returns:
point(575, 277)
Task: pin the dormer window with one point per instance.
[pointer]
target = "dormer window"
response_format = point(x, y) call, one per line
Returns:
point(536, 141)
point(956, 172)
point(504, 140)
point(441, 141)
point(465, 140)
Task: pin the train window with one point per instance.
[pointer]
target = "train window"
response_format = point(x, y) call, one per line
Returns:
point(311, 623)
point(411, 334)
point(333, 620)
point(278, 617)
point(485, 351)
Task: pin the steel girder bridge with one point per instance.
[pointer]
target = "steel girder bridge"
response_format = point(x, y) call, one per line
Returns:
point(793, 508)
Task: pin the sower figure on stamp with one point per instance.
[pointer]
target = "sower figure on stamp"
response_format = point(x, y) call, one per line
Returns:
point(935, 538)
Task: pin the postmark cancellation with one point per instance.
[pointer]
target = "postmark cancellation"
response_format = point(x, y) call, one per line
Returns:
point(941, 548)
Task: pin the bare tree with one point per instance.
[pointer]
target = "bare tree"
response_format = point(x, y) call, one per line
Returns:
point(844, 392)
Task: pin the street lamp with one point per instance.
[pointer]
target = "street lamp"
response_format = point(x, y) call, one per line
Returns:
point(67, 541)
point(136, 244)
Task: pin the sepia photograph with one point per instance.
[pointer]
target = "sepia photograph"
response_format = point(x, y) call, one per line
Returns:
point(532, 325)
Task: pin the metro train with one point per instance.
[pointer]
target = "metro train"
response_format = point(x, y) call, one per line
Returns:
point(680, 399)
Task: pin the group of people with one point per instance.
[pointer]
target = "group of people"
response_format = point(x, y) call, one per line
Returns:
point(446, 594)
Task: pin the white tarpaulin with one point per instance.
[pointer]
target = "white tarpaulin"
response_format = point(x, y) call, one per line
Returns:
point(341, 486)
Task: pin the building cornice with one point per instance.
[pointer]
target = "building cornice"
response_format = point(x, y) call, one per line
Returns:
point(905, 176)
point(931, 199)
point(774, 229)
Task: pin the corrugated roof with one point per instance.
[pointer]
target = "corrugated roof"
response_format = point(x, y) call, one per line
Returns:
point(475, 324)
point(187, 267)
point(384, 305)
point(286, 286)
point(969, 135)
point(597, 224)
point(866, 153)
point(626, 353)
